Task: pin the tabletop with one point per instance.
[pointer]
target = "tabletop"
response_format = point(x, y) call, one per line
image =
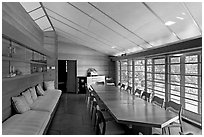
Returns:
point(129, 109)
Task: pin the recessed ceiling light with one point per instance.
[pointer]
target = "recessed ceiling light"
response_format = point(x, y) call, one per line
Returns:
point(113, 47)
point(169, 23)
point(183, 13)
point(180, 18)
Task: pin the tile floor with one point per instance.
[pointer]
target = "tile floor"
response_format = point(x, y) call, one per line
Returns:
point(72, 118)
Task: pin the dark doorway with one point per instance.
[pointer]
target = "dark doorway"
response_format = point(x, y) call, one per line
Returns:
point(67, 75)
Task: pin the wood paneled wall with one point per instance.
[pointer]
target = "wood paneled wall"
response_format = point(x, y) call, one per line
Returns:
point(86, 58)
point(13, 87)
point(17, 24)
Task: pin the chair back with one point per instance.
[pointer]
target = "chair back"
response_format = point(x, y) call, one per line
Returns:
point(129, 89)
point(158, 101)
point(100, 123)
point(122, 86)
point(146, 96)
point(174, 107)
point(138, 91)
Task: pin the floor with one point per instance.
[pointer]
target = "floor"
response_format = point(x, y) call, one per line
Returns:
point(72, 118)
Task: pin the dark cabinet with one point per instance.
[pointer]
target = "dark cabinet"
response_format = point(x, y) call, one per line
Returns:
point(82, 85)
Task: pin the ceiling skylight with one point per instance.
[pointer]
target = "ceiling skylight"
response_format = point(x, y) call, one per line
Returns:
point(35, 10)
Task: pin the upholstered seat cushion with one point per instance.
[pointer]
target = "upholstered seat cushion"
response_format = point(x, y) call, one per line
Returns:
point(28, 123)
point(47, 102)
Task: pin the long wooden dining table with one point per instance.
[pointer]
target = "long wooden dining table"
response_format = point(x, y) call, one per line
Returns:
point(131, 110)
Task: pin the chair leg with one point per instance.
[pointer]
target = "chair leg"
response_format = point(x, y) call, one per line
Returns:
point(163, 131)
point(169, 130)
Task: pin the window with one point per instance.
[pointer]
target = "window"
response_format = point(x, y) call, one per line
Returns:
point(185, 81)
point(192, 80)
point(139, 74)
point(124, 72)
point(130, 78)
point(159, 77)
point(174, 78)
point(118, 71)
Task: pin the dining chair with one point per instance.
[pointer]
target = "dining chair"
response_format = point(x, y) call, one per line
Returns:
point(177, 109)
point(138, 92)
point(104, 127)
point(122, 86)
point(146, 96)
point(129, 89)
point(106, 114)
point(158, 101)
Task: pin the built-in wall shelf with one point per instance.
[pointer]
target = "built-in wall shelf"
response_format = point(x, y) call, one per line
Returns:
point(21, 76)
point(19, 60)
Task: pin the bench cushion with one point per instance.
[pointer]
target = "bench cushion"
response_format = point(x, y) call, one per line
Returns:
point(28, 123)
point(47, 102)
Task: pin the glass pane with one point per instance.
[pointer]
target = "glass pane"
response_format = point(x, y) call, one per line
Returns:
point(191, 68)
point(159, 61)
point(139, 62)
point(160, 85)
point(159, 89)
point(157, 93)
point(139, 68)
point(175, 79)
point(175, 88)
point(149, 61)
point(149, 76)
point(159, 69)
point(190, 96)
point(175, 60)
point(193, 58)
point(175, 92)
point(175, 69)
point(160, 77)
point(149, 84)
point(149, 68)
point(191, 91)
point(191, 105)
point(191, 81)
point(175, 98)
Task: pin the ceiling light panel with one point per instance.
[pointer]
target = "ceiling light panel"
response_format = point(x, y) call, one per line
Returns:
point(168, 11)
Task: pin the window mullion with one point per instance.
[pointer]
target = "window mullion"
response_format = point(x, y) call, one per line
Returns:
point(133, 76)
point(182, 83)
